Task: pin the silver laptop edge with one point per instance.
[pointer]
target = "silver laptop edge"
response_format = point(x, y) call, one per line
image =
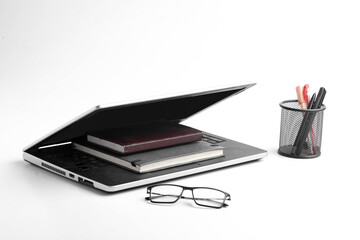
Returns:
point(39, 162)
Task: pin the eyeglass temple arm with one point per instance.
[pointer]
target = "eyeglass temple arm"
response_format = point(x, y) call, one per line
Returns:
point(207, 199)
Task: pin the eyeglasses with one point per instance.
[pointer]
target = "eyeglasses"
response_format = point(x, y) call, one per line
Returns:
point(202, 196)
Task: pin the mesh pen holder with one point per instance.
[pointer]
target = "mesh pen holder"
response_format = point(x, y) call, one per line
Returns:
point(300, 130)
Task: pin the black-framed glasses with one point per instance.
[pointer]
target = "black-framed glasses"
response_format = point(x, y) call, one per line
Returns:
point(202, 196)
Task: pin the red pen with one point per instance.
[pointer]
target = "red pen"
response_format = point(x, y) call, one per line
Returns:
point(305, 93)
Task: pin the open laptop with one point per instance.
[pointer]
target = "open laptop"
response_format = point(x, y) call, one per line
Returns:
point(55, 151)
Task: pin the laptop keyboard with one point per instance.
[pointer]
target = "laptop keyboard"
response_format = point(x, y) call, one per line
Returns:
point(72, 159)
point(211, 139)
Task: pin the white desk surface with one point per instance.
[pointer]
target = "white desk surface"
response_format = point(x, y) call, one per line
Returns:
point(59, 60)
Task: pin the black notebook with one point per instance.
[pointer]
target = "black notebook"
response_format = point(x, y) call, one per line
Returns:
point(144, 137)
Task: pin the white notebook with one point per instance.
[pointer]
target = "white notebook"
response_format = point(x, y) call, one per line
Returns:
point(157, 159)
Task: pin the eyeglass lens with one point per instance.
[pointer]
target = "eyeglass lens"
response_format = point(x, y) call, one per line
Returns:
point(209, 197)
point(165, 194)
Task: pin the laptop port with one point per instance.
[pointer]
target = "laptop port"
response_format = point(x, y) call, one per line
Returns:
point(86, 182)
point(71, 175)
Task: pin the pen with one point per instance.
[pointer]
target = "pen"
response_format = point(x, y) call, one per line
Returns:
point(320, 98)
point(300, 97)
point(299, 135)
point(311, 136)
point(312, 100)
point(307, 122)
point(303, 105)
point(305, 93)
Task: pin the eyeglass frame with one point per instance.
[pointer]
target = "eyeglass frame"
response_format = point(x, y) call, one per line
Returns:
point(227, 195)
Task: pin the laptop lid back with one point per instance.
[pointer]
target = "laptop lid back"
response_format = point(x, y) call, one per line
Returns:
point(174, 109)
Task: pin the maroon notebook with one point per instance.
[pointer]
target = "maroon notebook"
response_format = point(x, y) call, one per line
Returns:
point(145, 137)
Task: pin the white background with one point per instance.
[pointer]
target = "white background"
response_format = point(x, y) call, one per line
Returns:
point(60, 58)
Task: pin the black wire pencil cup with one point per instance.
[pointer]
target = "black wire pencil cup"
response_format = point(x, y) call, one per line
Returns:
point(300, 130)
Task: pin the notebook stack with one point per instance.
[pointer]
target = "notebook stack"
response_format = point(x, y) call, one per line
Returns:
point(150, 147)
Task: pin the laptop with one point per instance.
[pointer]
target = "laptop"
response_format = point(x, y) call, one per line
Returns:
point(55, 152)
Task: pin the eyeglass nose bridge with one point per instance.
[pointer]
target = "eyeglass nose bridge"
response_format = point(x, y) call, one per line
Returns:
point(189, 197)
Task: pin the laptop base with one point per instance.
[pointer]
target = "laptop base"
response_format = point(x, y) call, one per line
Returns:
point(84, 168)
